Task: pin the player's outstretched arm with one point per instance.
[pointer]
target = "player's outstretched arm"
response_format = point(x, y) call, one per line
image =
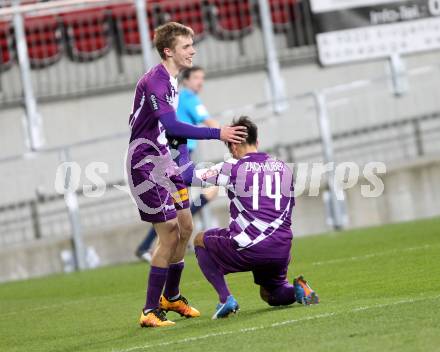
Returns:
point(180, 129)
point(199, 177)
point(183, 160)
point(233, 134)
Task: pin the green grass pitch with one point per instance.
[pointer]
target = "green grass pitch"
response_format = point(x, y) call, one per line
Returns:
point(379, 289)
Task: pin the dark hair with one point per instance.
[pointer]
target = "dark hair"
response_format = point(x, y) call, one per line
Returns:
point(186, 74)
point(252, 129)
point(165, 36)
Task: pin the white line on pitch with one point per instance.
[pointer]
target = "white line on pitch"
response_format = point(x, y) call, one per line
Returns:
point(112, 297)
point(372, 255)
point(274, 325)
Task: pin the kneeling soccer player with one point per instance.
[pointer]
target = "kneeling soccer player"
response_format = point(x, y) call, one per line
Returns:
point(259, 236)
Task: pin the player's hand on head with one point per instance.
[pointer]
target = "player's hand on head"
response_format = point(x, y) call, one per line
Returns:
point(236, 134)
point(174, 142)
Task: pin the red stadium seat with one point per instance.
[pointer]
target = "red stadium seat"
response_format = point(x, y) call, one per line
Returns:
point(125, 20)
point(43, 37)
point(282, 13)
point(187, 12)
point(6, 46)
point(230, 19)
point(7, 3)
point(88, 33)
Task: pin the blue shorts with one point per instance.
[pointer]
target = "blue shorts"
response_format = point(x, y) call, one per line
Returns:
point(269, 271)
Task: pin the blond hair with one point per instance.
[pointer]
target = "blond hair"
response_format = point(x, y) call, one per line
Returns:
point(165, 36)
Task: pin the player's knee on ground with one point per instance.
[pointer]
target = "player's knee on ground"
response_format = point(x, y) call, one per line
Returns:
point(264, 294)
point(198, 240)
point(280, 296)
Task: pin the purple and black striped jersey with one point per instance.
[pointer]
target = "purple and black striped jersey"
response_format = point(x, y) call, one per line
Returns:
point(260, 189)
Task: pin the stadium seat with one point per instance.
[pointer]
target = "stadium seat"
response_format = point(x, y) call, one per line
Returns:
point(87, 33)
point(187, 12)
point(8, 3)
point(126, 27)
point(43, 37)
point(283, 14)
point(6, 46)
point(230, 19)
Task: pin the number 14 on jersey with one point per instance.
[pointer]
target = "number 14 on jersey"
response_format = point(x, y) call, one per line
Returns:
point(272, 186)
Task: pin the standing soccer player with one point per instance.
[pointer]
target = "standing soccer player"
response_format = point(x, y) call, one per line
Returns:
point(160, 194)
point(190, 110)
point(259, 236)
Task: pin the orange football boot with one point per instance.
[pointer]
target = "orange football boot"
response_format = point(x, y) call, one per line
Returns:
point(154, 318)
point(180, 305)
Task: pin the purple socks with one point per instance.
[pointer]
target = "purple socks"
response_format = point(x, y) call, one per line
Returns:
point(156, 281)
point(173, 280)
point(212, 274)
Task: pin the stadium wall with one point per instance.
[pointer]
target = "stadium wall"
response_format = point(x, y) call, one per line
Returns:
point(70, 121)
point(410, 188)
point(411, 192)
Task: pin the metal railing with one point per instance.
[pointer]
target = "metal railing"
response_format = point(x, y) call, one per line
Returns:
point(46, 215)
point(30, 210)
point(409, 138)
point(359, 121)
point(75, 52)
